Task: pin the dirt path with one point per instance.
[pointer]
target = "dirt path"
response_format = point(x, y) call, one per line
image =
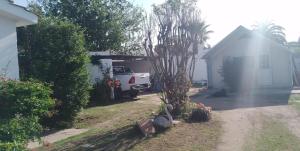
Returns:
point(238, 123)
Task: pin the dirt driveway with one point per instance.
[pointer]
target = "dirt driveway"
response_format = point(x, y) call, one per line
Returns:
point(241, 114)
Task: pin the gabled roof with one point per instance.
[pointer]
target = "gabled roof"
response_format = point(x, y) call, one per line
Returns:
point(17, 13)
point(237, 33)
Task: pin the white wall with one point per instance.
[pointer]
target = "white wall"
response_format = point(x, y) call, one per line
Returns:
point(254, 47)
point(96, 73)
point(8, 48)
point(21, 16)
point(200, 72)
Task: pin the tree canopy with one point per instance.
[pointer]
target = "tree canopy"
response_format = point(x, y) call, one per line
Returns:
point(53, 52)
point(272, 31)
point(108, 24)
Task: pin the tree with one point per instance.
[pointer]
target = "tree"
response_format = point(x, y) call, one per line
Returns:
point(53, 51)
point(180, 33)
point(109, 24)
point(272, 31)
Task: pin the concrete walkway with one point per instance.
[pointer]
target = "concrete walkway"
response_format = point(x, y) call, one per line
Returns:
point(52, 138)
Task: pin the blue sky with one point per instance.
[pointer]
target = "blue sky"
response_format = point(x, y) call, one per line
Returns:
point(225, 16)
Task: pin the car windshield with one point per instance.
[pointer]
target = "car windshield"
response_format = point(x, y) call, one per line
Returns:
point(121, 70)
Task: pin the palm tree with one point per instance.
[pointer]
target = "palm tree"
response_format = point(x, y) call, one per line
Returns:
point(272, 31)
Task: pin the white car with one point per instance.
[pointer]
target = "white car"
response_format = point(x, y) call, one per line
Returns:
point(129, 81)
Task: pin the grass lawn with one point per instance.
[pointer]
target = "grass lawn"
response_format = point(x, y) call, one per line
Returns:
point(113, 128)
point(294, 100)
point(272, 136)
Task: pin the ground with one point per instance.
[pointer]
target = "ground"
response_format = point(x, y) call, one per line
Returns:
point(112, 128)
point(256, 121)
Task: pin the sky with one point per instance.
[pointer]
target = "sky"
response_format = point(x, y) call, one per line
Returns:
point(226, 15)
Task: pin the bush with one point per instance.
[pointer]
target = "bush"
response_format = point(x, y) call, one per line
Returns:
point(22, 105)
point(24, 98)
point(196, 112)
point(53, 51)
point(14, 146)
point(201, 113)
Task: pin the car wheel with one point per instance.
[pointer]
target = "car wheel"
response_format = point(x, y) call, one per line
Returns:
point(133, 93)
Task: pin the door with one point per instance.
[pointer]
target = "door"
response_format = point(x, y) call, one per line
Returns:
point(265, 77)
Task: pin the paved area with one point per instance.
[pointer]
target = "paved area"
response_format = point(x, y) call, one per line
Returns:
point(238, 123)
point(242, 113)
point(60, 135)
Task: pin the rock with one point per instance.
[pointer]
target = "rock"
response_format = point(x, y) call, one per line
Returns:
point(162, 122)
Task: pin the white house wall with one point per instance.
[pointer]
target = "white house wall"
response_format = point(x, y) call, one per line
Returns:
point(8, 48)
point(200, 72)
point(96, 73)
point(282, 68)
point(279, 61)
point(17, 13)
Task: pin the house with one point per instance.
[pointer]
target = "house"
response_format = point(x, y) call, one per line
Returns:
point(266, 64)
point(11, 16)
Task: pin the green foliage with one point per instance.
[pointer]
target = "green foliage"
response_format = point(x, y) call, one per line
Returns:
point(53, 51)
point(14, 146)
point(22, 105)
point(109, 24)
point(101, 93)
point(161, 108)
point(24, 98)
point(19, 129)
point(195, 112)
point(200, 115)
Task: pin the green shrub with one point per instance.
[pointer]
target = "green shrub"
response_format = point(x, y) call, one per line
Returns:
point(22, 104)
point(53, 51)
point(14, 146)
point(101, 93)
point(201, 113)
point(24, 98)
point(19, 129)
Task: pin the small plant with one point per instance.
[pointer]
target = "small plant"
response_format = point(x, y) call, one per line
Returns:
point(201, 113)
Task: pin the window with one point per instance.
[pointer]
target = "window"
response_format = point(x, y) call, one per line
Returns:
point(121, 70)
point(264, 62)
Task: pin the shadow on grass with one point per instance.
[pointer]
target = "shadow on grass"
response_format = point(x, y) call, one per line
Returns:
point(111, 102)
point(123, 138)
